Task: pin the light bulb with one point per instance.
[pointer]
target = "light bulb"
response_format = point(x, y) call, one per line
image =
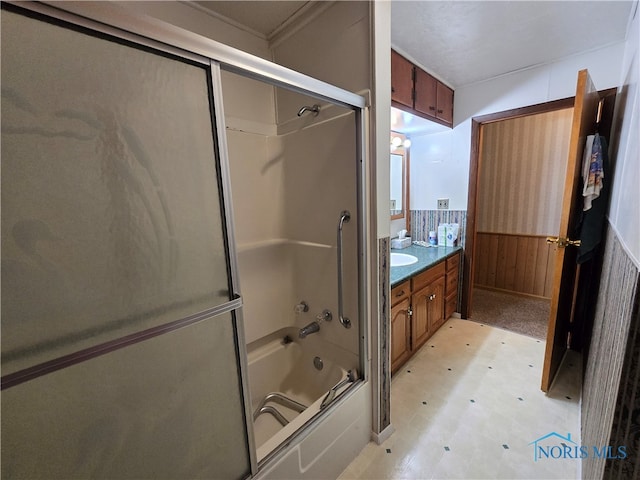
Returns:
point(407, 143)
point(396, 141)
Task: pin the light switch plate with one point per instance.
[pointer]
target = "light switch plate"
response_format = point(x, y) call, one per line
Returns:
point(443, 204)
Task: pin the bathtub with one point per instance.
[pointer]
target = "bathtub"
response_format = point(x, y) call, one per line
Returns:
point(289, 367)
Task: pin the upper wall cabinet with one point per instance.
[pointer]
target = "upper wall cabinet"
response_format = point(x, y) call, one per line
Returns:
point(401, 80)
point(414, 90)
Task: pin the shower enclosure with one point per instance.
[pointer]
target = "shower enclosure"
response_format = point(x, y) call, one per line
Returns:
point(295, 199)
point(163, 246)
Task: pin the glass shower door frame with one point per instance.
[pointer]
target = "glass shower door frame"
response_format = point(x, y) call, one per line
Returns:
point(117, 21)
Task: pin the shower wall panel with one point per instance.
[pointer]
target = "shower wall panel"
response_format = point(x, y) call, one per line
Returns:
point(321, 180)
point(335, 48)
point(257, 185)
point(289, 189)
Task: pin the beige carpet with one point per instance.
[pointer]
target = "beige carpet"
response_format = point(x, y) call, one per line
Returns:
point(525, 315)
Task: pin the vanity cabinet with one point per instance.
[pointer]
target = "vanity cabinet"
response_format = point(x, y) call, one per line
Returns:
point(427, 304)
point(400, 325)
point(416, 91)
point(420, 306)
point(453, 268)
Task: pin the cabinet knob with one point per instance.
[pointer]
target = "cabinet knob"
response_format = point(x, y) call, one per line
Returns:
point(393, 90)
point(409, 312)
point(400, 293)
point(432, 108)
point(439, 111)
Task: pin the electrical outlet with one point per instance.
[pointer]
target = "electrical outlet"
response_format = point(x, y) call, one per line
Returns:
point(443, 204)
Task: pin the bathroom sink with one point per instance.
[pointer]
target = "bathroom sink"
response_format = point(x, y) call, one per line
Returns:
point(402, 259)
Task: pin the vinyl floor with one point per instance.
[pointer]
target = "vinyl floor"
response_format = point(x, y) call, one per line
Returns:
point(468, 405)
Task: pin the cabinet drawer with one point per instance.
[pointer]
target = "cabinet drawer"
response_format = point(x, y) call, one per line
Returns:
point(400, 292)
point(428, 276)
point(453, 262)
point(452, 282)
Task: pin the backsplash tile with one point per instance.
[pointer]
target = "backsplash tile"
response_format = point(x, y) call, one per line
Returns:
point(423, 221)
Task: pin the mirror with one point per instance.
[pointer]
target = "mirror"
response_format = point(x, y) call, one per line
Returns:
point(396, 184)
point(399, 175)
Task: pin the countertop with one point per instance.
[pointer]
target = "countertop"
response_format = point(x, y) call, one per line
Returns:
point(427, 257)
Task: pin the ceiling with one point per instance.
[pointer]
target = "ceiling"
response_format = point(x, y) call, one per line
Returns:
point(463, 42)
point(261, 17)
point(471, 41)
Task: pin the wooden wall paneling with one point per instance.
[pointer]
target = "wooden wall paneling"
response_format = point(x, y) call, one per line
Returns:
point(530, 268)
point(502, 262)
point(517, 263)
point(493, 260)
point(511, 260)
point(482, 260)
point(521, 263)
point(541, 268)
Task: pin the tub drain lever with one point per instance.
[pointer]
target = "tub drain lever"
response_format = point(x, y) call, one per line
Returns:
point(352, 376)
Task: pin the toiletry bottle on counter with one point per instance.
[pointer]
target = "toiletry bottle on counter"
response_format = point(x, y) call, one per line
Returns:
point(432, 238)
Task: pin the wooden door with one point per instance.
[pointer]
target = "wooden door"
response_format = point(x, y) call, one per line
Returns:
point(401, 80)
point(400, 334)
point(425, 93)
point(564, 277)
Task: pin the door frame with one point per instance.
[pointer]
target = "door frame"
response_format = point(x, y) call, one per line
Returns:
point(474, 183)
point(474, 175)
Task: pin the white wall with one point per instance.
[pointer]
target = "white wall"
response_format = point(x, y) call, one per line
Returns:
point(381, 121)
point(440, 163)
point(624, 211)
point(436, 172)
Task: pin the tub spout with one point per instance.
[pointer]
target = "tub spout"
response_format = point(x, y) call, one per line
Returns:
point(313, 327)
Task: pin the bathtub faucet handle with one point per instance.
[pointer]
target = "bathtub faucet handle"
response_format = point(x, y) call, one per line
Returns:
point(325, 316)
point(301, 307)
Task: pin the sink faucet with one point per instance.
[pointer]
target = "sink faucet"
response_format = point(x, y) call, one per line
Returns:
point(314, 326)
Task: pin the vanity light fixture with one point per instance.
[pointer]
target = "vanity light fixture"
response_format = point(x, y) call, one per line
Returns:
point(397, 141)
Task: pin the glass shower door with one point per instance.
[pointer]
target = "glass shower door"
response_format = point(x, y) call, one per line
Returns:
point(119, 337)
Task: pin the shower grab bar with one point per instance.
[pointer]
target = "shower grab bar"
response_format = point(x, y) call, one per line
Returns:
point(273, 411)
point(280, 398)
point(345, 216)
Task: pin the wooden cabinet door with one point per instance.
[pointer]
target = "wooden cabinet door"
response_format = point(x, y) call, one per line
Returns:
point(444, 103)
point(401, 80)
point(451, 287)
point(436, 305)
point(400, 334)
point(426, 88)
point(420, 318)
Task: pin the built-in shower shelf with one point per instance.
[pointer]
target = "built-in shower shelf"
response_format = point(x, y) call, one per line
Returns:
point(273, 242)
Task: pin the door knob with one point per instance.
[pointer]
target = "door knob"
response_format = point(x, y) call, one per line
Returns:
point(563, 242)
